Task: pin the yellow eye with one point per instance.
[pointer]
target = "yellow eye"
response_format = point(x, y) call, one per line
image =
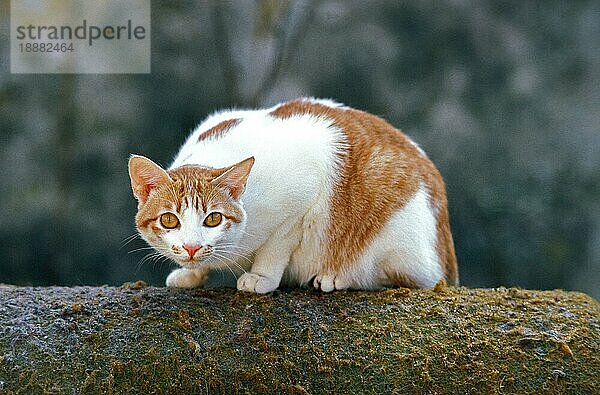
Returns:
point(213, 219)
point(169, 220)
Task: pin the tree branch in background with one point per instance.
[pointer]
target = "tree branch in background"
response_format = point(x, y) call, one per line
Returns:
point(286, 45)
point(224, 53)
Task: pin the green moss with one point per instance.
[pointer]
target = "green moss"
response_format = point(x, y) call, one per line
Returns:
point(445, 340)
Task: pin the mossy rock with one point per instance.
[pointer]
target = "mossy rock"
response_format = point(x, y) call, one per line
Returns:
point(138, 339)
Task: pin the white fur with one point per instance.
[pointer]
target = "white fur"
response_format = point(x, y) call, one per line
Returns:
point(406, 244)
point(287, 203)
point(328, 103)
point(187, 278)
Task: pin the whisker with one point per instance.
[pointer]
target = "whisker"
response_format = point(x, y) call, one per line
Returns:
point(247, 233)
point(129, 239)
point(237, 244)
point(140, 263)
point(219, 257)
point(140, 249)
point(233, 245)
point(236, 254)
point(237, 249)
point(155, 257)
point(230, 260)
point(147, 257)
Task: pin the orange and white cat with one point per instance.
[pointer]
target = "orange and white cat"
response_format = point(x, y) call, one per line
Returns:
point(306, 192)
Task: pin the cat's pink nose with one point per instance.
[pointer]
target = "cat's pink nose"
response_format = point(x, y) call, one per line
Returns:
point(191, 249)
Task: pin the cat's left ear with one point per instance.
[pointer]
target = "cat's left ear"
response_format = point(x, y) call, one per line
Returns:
point(234, 179)
point(145, 175)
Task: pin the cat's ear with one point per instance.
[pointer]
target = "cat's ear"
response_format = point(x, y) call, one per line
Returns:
point(145, 175)
point(234, 179)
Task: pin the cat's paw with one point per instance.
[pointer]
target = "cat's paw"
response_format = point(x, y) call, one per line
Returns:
point(329, 282)
point(187, 278)
point(253, 282)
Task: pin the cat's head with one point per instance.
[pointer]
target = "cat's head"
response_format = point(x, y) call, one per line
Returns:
point(191, 214)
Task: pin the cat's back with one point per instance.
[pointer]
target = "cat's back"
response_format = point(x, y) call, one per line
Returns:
point(314, 136)
point(315, 143)
point(301, 140)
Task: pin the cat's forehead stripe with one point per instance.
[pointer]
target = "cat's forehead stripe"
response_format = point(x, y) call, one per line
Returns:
point(192, 186)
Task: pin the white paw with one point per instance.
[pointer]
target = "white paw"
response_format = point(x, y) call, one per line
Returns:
point(187, 278)
point(329, 282)
point(253, 282)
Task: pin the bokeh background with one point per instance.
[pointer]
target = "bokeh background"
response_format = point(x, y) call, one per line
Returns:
point(503, 95)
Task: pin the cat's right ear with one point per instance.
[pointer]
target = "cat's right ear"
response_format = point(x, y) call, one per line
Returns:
point(145, 175)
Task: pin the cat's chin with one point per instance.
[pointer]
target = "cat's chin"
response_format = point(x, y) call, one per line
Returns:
point(191, 264)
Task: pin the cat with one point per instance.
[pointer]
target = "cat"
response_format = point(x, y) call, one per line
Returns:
point(307, 192)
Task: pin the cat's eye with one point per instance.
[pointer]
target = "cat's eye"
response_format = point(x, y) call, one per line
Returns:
point(213, 219)
point(169, 220)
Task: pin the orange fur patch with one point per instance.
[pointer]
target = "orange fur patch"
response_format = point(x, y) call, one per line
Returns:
point(378, 154)
point(219, 129)
point(401, 280)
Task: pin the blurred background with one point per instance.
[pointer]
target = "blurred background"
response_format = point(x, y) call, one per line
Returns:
point(503, 95)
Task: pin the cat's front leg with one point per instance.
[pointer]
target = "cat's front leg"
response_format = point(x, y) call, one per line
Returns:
point(187, 278)
point(270, 261)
